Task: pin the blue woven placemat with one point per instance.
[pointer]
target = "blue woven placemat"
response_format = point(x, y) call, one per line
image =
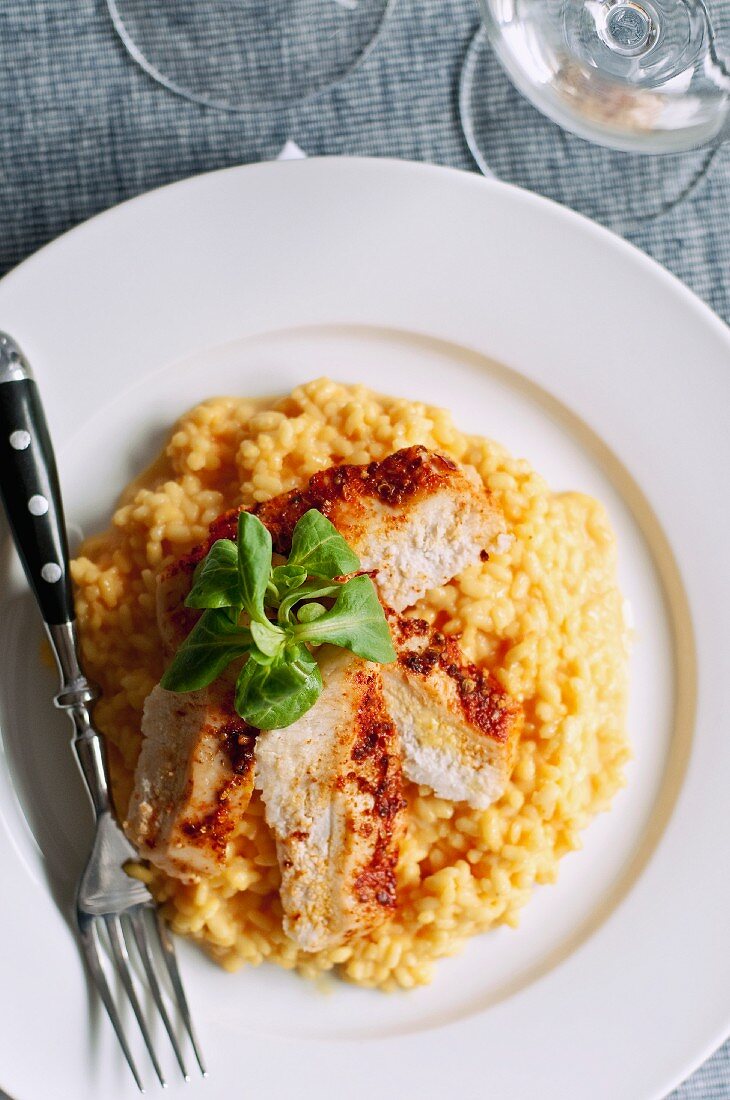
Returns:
point(82, 128)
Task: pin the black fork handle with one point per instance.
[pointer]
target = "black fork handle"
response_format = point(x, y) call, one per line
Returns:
point(29, 487)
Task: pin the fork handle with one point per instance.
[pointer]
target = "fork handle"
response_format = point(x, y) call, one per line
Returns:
point(29, 487)
point(31, 494)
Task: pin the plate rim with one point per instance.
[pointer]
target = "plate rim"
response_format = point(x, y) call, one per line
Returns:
point(609, 236)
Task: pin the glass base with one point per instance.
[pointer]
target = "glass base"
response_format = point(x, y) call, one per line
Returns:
point(248, 55)
point(642, 76)
point(510, 139)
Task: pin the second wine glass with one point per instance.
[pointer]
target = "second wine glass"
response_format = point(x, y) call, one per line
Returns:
point(248, 55)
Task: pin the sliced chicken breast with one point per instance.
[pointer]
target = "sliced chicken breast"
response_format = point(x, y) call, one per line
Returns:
point(332, 788)
point(193, 781)
point(415, 520)
point(458, 727)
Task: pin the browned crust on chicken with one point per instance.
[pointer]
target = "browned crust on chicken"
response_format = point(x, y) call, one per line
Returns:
point(339, 493)
point(485, 704)
point(398, 479)
point(191, 789)
point(213, 829)
point(332, 785)
point(376, 772)
point(401, 477)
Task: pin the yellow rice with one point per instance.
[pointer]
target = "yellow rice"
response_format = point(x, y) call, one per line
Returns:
point(545, 617)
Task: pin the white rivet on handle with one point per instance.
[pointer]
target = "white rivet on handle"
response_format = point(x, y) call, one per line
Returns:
point(19, 440)
point(38, 505)
point(51, 572)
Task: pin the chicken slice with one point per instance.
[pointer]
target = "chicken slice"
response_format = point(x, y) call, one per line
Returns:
point(193, 781)
point(332, 788)
point(459, 728)
point(416, 519)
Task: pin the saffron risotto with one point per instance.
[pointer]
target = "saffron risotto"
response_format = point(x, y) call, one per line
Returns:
point(545, 617)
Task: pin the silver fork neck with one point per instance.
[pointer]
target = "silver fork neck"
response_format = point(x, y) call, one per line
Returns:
point(76, 690)
point(75, 697)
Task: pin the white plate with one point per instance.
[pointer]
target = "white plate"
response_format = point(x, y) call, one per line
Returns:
point(616, 380)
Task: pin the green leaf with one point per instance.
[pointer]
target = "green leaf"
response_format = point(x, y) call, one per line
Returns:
point(216, 582)
point(210, 646)
point(287, 577)
point(268, 638)
point(280, 681)
point(254, 563)
point(310, 590)
point(308, 612)
point(356, 622)
point(319, 549)
point(275, 695)
point(262, 658)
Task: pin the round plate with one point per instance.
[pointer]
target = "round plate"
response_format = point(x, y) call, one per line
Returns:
point(535, 327)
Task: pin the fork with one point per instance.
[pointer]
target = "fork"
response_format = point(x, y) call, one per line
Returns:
point(109, 903)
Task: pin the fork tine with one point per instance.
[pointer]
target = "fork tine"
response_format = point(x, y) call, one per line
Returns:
point(136, 919)
point(168, 953)
point(90, 942)
point(121, 956)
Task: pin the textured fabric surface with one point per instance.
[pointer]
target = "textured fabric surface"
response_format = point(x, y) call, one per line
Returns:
point(82, 127)
point(254, 54)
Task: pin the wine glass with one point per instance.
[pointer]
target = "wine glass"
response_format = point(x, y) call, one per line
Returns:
point(649, 76)
point(248, 55)
point(633, 76)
